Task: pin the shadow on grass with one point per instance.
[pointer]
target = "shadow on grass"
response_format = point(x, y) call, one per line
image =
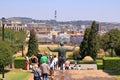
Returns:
point(6, 71)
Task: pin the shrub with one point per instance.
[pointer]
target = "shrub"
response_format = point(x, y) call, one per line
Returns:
point(19, 62)
point(99, 65)
point(111, 63)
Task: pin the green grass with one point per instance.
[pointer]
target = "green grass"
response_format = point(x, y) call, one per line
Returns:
point(16, 75)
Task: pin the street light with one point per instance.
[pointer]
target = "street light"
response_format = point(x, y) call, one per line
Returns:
point(3, 25)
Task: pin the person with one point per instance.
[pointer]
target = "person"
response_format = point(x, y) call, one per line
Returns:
point(44, 70)
point(52, 66)
point(36, 72)
point(61, 54)
point(27, 63)
point(79, 67)
point(55, 62)
point(39, 55)
point(67, 64)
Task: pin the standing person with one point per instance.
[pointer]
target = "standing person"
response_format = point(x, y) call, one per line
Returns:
point(52, 66)
point(44, 70)
point(55, 62)
point(39, 55)
point(36, 72)
point(27, 62)
point(61, 54)
point(67, 64)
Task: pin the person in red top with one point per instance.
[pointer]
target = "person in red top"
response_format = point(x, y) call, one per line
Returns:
point(26, 65)
point(67, 64)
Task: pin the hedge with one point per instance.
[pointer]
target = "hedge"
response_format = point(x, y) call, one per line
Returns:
point(82, 62)
point(99, 66)
point(111, 63)
point(19, 62)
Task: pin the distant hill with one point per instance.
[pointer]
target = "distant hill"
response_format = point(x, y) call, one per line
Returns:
point(77, 23)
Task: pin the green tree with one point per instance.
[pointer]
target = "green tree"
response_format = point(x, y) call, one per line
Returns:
point(5, 54)
point(84, 44)
point(13, 38)
point(93, 41)
point(112, 36)
point(32, 44)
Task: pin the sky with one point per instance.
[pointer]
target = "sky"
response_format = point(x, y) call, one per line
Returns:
point(67, 10)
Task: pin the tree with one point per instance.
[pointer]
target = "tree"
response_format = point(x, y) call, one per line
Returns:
point(112, 36)
point(93, 41)
point(13, 38)
point(32, 44)
point(84, 44)
point(5, 54)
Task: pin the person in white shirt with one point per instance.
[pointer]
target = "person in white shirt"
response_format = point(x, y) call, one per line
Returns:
point(52, 66)
point(55, 62)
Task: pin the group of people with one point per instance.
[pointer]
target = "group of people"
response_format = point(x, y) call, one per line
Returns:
point(47, 65)
point(42, 65)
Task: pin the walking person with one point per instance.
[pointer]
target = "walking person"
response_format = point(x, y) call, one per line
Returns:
point(44, 69)
point(36, 72)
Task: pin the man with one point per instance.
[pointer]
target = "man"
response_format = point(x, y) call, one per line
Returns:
point(61, 54)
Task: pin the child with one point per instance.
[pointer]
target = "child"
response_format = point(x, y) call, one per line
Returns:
point(67, 64)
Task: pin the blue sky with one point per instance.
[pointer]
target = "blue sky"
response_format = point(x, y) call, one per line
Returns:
point(67, 10)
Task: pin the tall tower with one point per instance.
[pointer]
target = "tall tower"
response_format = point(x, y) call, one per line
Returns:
point(55, 15)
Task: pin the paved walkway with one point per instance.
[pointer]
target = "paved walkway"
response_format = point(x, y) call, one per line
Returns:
point(79, 75)
point(82, 75)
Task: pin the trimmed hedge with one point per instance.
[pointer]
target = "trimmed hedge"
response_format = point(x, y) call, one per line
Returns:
point(19, 62)
point(99, 66)
point(111, 63)
point(82, 62)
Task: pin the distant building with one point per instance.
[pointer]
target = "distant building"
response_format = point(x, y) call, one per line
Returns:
point(44, 37)
point(16, 25)
point(99, 27)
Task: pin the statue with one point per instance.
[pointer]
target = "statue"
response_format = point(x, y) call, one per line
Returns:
point(61, 54)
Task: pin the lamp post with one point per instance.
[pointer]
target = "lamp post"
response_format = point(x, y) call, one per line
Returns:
point(3, 25)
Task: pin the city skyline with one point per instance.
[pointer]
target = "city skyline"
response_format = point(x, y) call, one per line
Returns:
point(67, 10)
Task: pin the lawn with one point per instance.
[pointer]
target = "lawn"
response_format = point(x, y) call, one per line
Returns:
point(16, 75)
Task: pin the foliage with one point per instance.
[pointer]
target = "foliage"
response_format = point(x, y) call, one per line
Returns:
point(76, 55)
point(84, 44)
point(111, 63)
point(13, 38)
point(5, 54)
point(93, 42)
point(113, 36)
point(33, 44)
point(19, 62)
